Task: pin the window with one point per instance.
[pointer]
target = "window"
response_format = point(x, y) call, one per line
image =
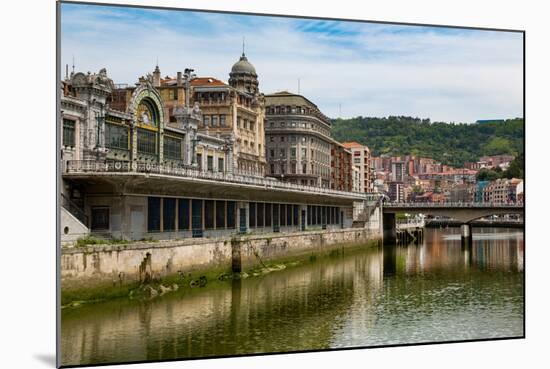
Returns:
point(295, 214)
point(282, 153)
point(272, 168)
point(173, 94)
point(251, 125)
point(208, 214)
point(214, 121)
point(260, 213)
point(292, 139)
point(183, 214)
point(172, 148)
point(289, 215)
point(267, 215)
point(314, 215)
point(68, 132)
point(304, 168)
point(206, 120)
point(196, 213)
point(293, 168)
point(210, 163)
point(199, 161)
point(220, 214)
point(153, 214)
point(100, 218)
point(272, 153)
point(282, 169)
point(252, 215)
point(245, 123)
point(146, 141)
point(221, 167)
point(293, 152)
point(222, 120)
point(282, 215)
point(282, 138)
point(304, 153)
point(271, 139)
point(169, 214)
point(230, 214)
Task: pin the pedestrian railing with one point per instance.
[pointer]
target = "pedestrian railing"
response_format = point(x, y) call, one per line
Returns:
point(180, 170)
point(432, 205)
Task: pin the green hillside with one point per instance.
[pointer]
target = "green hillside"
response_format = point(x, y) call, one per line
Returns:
point(449, 143)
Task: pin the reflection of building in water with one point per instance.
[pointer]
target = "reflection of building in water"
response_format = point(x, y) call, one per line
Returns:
point(283, 311)
point(493, 249)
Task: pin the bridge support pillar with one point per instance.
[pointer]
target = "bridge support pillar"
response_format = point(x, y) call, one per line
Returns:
point(466, 234)
point(390, 230)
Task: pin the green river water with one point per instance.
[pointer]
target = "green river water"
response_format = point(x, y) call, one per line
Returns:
point(436, 291)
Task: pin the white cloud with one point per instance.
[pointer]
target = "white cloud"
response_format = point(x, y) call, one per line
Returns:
point(371, 70)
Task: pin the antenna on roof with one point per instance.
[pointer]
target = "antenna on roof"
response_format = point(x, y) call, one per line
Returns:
point(73, 64)
point(157, 61)
point(243, 45)
point(66, 71)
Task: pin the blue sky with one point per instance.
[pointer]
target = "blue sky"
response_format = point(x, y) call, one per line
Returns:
point(368, 69)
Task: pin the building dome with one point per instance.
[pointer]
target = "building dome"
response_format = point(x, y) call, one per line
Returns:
point(243, 66)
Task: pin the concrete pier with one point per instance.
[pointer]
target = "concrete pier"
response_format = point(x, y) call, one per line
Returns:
point(390, 229)
point(466, 234)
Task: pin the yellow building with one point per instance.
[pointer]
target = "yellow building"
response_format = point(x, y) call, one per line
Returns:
point(234, 112)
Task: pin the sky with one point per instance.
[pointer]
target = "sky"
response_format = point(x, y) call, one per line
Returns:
point(348, 69)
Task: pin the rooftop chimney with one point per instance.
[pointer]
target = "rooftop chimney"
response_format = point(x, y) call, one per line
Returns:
point(156, 77)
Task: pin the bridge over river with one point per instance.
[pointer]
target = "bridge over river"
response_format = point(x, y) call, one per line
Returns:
point(462, 212)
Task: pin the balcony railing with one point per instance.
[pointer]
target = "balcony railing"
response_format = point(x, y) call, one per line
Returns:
point(112, 166)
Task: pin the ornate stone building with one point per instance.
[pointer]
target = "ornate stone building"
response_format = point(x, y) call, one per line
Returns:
point(298, 140)
point(234, 112)
point(156, 160)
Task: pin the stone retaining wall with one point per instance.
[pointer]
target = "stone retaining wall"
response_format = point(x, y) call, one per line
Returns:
point(83, 267)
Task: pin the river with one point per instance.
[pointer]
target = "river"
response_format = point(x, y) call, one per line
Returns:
point(436, 291)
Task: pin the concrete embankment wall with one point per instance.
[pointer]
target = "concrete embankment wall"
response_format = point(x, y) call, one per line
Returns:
point(83, 267)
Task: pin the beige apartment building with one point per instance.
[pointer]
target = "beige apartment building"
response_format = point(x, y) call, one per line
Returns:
point(362, 160)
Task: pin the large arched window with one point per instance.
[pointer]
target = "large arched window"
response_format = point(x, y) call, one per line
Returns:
point(147, 113)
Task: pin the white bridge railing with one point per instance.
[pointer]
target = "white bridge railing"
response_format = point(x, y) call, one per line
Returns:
point(410, 223)
point(445, 205)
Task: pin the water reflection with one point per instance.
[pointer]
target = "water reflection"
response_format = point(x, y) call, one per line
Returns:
point(388, 295)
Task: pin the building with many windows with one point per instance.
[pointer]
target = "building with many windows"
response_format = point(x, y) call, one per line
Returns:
point(298, 142)
point(362, 160)
point(341, 168)
point(142, 162)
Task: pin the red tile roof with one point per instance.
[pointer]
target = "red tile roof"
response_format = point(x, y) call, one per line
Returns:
point(349, 145)
point(207, 81)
